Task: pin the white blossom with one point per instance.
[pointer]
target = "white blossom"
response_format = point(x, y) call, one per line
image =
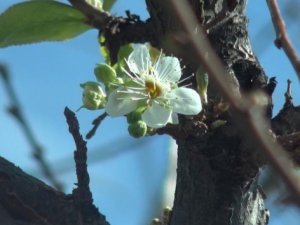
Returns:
point(154, 88)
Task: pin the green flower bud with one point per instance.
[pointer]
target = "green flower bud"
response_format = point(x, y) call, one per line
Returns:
point(93, 96)
point(105, 73)
point(218, 123)
point(202, 84)
point(137, 129)
point(134, 116)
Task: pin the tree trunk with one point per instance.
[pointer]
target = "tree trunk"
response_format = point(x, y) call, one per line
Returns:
point(217, 169)
point(217, 183)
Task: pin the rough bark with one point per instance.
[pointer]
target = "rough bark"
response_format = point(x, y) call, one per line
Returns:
point(217, 170)
point(25, 199)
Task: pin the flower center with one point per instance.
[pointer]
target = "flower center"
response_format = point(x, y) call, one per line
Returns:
point(153, 88)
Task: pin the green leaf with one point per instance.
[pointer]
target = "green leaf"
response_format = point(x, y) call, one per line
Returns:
point(36, 21)
point(108, 4)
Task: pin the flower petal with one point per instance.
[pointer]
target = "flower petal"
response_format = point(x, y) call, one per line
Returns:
point(168, 69)
point(185, 101)
point(139, 60)
point(173, 118)
point(156, 116)
point(120, 103)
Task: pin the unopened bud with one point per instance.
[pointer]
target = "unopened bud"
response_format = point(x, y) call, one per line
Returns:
point(202, 84)
point(93, 96)
point(137, 129)
point(134, 116)
point(218, 123)
point(105, 73)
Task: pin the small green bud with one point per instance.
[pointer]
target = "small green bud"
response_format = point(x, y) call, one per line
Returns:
point(93, 96)
point(202, 84)
point(134, 116)
point(218, 123)
point(105, 73)
point(137, 129)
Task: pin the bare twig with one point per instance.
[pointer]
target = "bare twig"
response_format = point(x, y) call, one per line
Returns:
point(82, 195)
point(282, 39)
point(288, 94)
point(255, 124)
point(96, 124)
point(95, 18)
point(15, 110)
point(80, 156)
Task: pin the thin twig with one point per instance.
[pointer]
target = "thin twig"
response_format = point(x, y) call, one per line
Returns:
point(83, 192)
point(282, 38)
point(96, 124)
point(254, 122)
point(82, 195)
point(95, 18)
point(288, 94)
point(16, 111)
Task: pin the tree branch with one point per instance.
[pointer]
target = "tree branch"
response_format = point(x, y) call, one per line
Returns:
point(80, 156)
point(96, 122)
point(26, 200)
point(291, 143)
point(282, 39)
point(117, 31)
point(286, 125)
point(95, 18)
point(254, 124)
point(82, 194)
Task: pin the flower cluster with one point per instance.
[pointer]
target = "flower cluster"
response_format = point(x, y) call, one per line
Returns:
point(148, 89)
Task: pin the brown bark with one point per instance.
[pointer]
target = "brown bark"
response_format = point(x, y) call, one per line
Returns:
point(217, 170)
point(25, 199)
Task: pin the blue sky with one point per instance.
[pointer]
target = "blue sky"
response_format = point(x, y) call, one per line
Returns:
point(125, 186)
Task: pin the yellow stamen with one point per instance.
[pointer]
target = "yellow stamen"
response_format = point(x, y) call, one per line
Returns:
point(153, 88)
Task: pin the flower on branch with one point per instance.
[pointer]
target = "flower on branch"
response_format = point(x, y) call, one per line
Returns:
point(152, 88)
